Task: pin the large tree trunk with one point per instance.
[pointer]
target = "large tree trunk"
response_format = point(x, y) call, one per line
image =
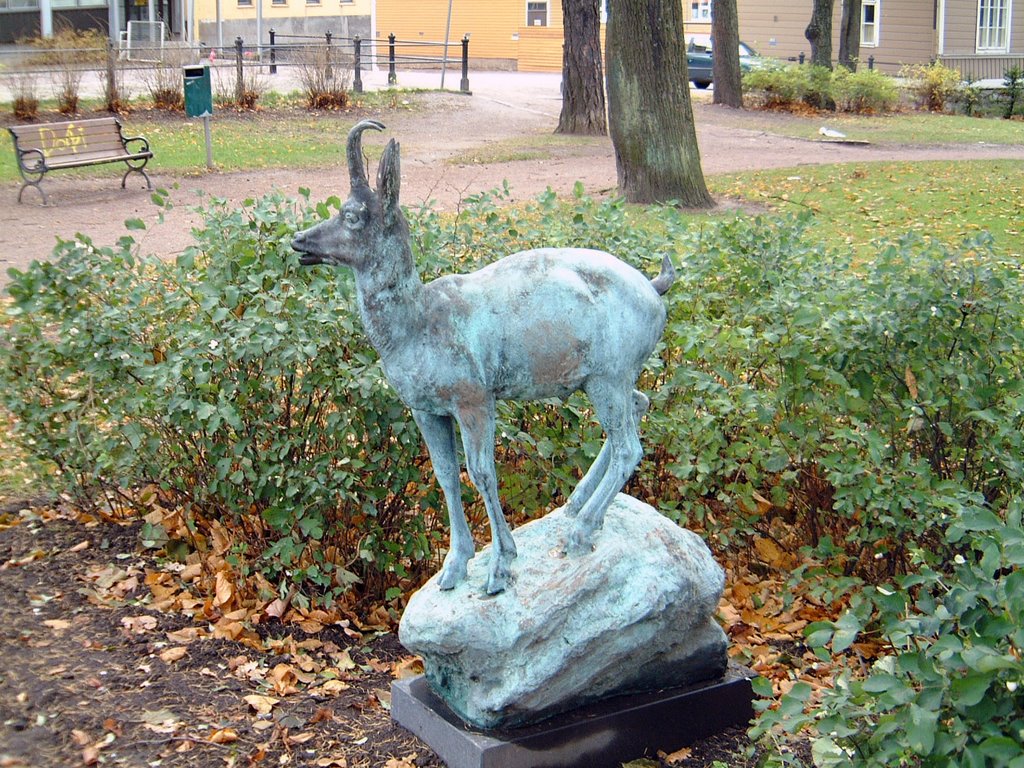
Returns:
point(819, 33)
point(849, 35)
point(649, 111)
point(725, 65)
point(583, 108)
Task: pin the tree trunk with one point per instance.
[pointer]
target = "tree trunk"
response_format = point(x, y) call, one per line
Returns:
point(649, 111)
point(849, 35)
point(583, 106)
point(819, 33)
point(725, 64)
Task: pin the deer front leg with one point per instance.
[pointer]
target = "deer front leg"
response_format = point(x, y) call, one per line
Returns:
point(439, 435)
point(476, 422)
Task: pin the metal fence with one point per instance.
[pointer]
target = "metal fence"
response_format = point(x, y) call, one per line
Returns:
point(133, 69)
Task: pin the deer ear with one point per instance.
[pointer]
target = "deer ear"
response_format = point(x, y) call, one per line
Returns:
point(389, 176)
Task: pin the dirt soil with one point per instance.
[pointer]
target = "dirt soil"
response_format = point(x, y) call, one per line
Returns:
point(435, 130)
point(93, 673)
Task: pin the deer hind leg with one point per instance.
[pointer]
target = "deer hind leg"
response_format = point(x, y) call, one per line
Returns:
point(585, 488)
point(439, 435)
point(619, 411)
point(477, 425)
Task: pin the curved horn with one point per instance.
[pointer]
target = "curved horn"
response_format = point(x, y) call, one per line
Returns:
point(356, 171)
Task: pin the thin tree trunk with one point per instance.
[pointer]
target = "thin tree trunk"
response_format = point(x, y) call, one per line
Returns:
point(725, 64)
point(649, 112)
point(583, 105)
point(849, 35)
point(819, 33)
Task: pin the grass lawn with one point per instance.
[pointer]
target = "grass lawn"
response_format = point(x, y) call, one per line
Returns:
point(857, 203)
point(909, 128)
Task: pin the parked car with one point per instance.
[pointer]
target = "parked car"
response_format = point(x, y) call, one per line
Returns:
point(698, 60)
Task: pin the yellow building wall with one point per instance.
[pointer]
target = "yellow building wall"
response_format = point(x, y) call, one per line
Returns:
point(206, 10)
point(497, 29)
point(492, 25)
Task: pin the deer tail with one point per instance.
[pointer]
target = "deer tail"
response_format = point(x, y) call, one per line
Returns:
point(665, 278)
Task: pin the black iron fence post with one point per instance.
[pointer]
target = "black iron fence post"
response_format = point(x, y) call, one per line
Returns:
point(239, 82)
point(357, 77)
point(871, 63)
point(801, 60)
point(328, 69)
point(464, 85)
point(392, 75)
point(273, 54)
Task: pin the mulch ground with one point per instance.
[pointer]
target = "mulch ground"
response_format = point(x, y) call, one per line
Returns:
point(92, 674)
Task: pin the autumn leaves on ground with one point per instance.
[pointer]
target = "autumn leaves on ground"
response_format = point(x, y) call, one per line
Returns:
point(115, 657)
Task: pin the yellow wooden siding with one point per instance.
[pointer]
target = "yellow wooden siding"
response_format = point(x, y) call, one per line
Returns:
point(206, 10)
point(492, 25)
point(540, 49)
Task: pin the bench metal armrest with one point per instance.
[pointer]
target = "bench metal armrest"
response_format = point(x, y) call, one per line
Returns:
point(36, 164)
point(129, 139)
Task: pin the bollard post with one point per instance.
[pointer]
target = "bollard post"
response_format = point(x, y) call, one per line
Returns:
point(871, 63)
point(801, 60)
point(392, 75)
point(273, 54)
point(328, 69)
point(357, 77)
point(464, 85)
point(239, 80)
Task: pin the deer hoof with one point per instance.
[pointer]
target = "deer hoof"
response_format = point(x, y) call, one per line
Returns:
point(451, 577)
point(578, 543)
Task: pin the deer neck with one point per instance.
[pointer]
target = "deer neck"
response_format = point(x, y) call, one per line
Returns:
point(388, 292)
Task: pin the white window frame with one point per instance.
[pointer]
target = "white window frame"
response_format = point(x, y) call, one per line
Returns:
point(547, 12)
point(876, 25)
point(994, 37)
point(700, 10)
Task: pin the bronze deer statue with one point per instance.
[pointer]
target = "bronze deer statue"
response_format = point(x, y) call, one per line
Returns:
point(537, 324)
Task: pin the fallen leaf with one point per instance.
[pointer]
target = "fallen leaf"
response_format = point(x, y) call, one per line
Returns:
point(332, 762)
point(332, 687)
point(676, 758)
point(225, 589)
point(172, 655)
point(58, 624)
point(185, 635)
point(410, 666)
point(139, 625)
point(262, 704)
point(284, 679)
point(223, 736)
point(80, 737)
point(90, 755)
point(394, 762)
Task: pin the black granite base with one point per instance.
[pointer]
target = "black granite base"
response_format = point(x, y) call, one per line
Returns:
point(600, 735)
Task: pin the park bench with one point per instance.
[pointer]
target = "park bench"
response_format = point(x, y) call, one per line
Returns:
point(44, 147)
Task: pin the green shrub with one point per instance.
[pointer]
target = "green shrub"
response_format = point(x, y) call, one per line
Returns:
point(238, 384)
point(947, 692)
point(934, 84)
point(778, 87)
point(866, 91)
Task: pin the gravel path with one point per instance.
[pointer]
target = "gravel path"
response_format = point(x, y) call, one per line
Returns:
point(444, 125)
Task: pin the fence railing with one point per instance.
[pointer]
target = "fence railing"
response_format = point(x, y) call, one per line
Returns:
point(112, 65)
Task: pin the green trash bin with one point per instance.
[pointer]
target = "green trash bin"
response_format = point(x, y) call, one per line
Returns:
point(198, 91)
